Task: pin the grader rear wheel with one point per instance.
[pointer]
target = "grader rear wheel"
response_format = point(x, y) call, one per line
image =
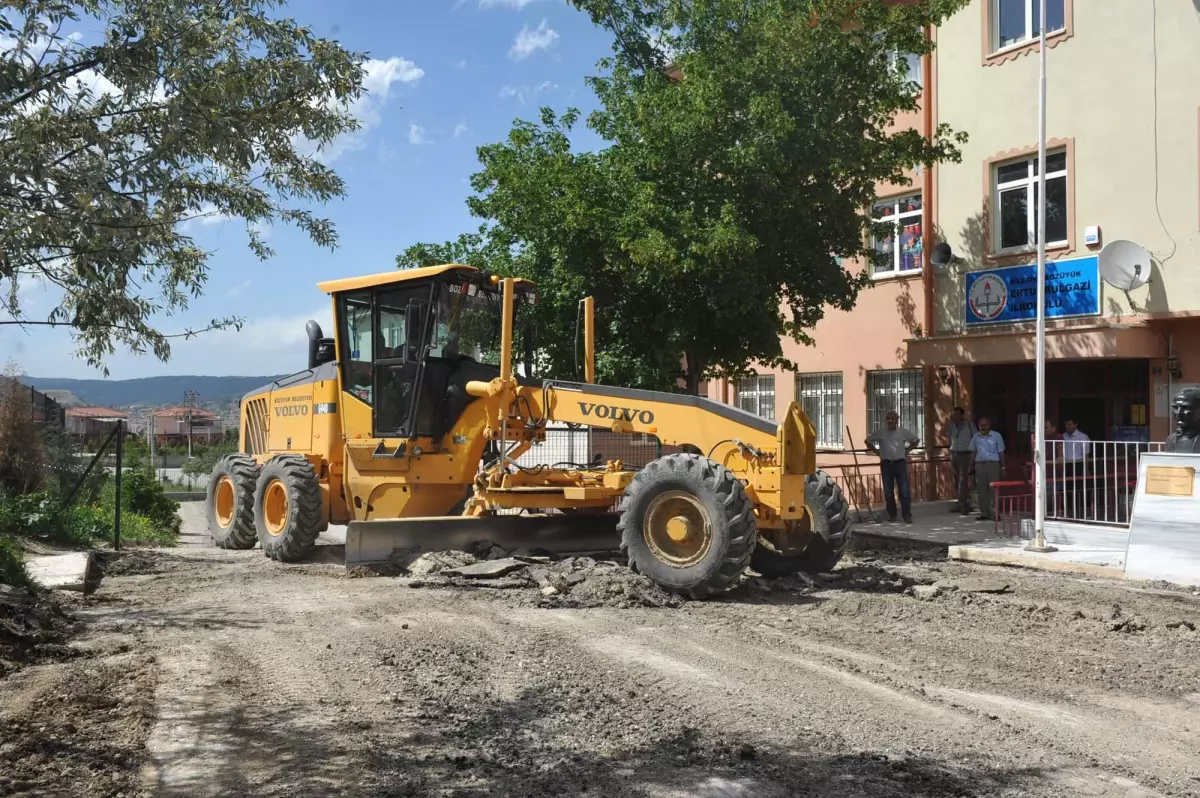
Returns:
point(230, 503)
point(687, 524)
point(814, 545)
point(287, 508)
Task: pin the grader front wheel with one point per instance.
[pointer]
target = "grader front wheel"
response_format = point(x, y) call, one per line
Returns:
point(814, 545)
point(687, 524)
point(287, 508)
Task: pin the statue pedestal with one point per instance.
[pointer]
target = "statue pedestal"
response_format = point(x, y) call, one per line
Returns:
point(1164, 529)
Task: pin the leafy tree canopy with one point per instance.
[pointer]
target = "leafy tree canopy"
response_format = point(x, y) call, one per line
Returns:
point(717, 217)
point(179, 109)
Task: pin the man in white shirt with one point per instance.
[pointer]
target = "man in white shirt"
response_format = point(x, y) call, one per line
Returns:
point(1076, 447)
point(892, 444)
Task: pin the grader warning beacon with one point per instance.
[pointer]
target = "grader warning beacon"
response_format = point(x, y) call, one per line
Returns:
point(408, 424)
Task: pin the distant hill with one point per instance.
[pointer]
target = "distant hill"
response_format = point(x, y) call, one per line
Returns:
point(151, 390)
point(65, 398)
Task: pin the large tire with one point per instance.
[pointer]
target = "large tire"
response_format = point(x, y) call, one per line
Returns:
point(696, 498)
point(287, 508)
point(230, 503)
point(826, 542)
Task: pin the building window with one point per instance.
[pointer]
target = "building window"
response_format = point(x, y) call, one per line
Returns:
point(1015, 200)
point(899, 252)
point(1015, 22)
point(821, 397)
point(901, 391)
point(907, 65)
point(757, 395)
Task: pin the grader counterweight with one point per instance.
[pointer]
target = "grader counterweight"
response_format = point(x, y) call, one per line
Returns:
point(410, 420)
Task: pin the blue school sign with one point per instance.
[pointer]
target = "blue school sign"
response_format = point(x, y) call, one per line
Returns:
point(1009, 294)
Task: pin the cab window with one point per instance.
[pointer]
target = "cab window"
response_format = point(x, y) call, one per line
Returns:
point(358, 344)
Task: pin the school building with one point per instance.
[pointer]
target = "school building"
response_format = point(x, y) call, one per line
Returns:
point(1123, 125)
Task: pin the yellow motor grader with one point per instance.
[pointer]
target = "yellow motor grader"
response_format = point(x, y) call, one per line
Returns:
point(409, 422)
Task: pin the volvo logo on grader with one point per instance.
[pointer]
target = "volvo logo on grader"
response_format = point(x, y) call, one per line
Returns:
point(616, 413)
point(292, 410)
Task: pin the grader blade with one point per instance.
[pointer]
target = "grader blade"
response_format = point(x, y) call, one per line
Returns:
point(375, 542)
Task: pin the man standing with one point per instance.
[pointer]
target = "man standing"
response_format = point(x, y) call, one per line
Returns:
point(1075, 451)
point(960, 431)
point(1054, 485)
point(987, 463)
point(893, 444)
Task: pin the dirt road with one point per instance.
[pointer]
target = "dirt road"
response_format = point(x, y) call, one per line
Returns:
point(221, 673)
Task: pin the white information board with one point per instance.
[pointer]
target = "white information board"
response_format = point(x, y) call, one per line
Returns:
point(1164, 530)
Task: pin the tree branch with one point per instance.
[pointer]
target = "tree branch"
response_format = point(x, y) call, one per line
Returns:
point(124, 328)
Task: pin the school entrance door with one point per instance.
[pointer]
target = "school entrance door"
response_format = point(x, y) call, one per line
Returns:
point(1108, 399)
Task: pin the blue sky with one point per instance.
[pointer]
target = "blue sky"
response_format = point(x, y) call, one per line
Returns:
point(446, 76)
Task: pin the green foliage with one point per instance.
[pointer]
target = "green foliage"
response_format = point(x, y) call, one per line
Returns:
point(42, 517)
point(143, 495)
point(717, 217)
point(12, 565)
point(205, 460)
point(162, 111)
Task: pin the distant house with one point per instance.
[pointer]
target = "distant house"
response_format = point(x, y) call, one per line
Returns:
point(89, 423)
point(171, 425)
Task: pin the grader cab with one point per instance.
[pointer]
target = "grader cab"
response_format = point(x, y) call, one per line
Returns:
point(408, 424)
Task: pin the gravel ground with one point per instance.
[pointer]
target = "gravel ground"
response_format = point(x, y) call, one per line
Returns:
point(222, 673)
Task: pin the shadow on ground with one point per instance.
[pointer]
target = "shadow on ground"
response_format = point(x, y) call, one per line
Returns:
point(525, 747)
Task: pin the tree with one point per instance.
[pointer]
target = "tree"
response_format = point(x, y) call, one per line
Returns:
point(178, 110)
point(719, 214)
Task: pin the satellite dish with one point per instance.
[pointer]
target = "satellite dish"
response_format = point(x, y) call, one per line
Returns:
point(1124, 265)
point(941, 255)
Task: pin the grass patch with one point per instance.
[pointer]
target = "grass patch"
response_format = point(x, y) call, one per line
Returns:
point(12, 565)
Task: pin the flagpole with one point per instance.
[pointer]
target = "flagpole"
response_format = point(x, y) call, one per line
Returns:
point(1039, 456)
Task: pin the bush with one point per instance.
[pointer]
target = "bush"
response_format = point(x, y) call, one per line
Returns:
point(143, 495)
point(147, 516)
point(12, 565)
point(41, 516)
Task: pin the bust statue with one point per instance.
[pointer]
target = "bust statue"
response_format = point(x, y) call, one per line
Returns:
point(1186, 438)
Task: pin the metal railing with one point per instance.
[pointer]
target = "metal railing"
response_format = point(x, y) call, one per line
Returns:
point(1087, 482)
point(929, 478)
point(1093, 482)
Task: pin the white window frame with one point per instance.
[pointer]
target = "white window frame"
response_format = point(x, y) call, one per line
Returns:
point(1029, 182)
point(756, 388)
point(884, 391)
point(897, 218)
point(822, 387)
point(1030, 21)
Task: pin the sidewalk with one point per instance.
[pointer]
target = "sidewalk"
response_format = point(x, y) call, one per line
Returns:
point(934, 524)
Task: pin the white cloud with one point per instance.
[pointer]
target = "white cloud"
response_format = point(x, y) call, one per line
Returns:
point(514, 4)
point(379, 80)
point(523, 93)
point(514, 91)
point(265, 345)
point(416, 135)
point(238, 289)
point(459, 129)
point(461, 63)
point(208, 214)
point(529, 41)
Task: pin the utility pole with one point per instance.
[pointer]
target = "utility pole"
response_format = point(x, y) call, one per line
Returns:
point(189, 400)
point(1038, 543)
